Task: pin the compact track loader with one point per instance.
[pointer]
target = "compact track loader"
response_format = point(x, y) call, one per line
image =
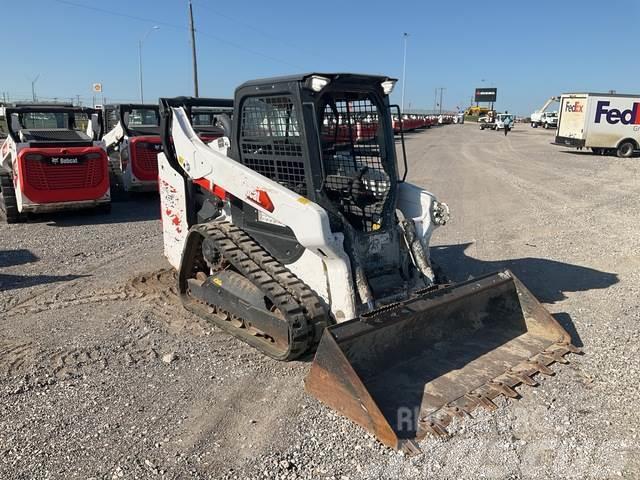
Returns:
point(295, 233)
point(133, 142)
point(52, 159)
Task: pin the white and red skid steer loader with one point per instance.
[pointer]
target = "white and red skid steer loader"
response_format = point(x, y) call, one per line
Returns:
point(294, 233)
point(52, 159)
point(134, 142)
point(133, 145)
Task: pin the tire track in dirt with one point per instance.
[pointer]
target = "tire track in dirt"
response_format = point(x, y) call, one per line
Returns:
point(158, 287)
point(156, 292)
point(16, 301)
point(40, 366)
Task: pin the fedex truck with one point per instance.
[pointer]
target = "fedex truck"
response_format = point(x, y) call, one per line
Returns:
point(605, 123)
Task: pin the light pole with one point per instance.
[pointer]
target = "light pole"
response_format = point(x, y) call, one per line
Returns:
point(33, 87)
point(404, 70)
point(140, 42)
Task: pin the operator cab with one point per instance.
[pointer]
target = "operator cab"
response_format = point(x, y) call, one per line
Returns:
point(328, 137)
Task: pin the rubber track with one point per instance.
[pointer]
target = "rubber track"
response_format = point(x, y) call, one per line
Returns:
point(8, 204)
point(300, 306)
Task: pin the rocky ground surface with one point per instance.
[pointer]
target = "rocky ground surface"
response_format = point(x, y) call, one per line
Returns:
point(104, 375)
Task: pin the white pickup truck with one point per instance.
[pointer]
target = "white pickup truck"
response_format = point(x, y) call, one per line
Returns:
point(605, 123)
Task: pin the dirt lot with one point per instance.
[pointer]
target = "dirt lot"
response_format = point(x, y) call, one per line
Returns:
point(103, 375)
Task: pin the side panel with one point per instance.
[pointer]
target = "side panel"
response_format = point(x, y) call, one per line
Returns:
point(330, 278)
point(308, 263)
point(143, 161)
point(173, 210)
point(571, 123)
point(419, 205)
point(612, 119)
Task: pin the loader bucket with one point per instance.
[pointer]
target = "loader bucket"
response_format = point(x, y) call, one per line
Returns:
point(407, 369)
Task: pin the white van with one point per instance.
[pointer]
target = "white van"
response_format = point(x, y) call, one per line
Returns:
point(605, 123)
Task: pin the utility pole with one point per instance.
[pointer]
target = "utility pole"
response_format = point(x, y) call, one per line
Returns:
point(441, 90)
point(404, 70)
point(140, 70)
point(33, 87)
point(193, 50)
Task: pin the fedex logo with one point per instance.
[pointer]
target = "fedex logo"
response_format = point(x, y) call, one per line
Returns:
point(575, 107)
point(614, 116)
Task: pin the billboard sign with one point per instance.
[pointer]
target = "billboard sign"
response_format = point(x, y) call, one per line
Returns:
point(486, 94)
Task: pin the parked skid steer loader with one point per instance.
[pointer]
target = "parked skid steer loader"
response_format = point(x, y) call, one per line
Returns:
point(133, 142)
point(294, 233)
point(133, 145)
point(52, 159)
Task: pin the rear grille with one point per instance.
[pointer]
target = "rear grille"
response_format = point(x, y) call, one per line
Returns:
point(54, 135)
point(41, 175)
point(145, 162)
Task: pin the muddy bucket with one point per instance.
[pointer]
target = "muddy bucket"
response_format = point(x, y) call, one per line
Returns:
point(406, 370)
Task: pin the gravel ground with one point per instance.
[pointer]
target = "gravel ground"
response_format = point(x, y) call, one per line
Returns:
point(103, 375)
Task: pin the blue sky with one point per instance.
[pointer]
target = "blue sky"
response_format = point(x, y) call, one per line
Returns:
point(528, 50)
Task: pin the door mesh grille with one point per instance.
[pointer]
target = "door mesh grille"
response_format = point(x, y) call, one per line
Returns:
point(355, 177)
point(270, 141)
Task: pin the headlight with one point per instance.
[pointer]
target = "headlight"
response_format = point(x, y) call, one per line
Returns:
point(440, 214)
point(387, 86)
point(317, 83)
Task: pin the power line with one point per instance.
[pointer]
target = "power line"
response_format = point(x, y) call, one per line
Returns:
point(120, 14)
point(205, 5)
point(178, 27)
point(248, 50)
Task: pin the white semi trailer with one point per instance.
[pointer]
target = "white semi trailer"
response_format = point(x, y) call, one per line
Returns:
point(606, 123)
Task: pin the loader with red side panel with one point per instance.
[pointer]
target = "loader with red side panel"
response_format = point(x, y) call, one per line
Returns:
point(134, 142)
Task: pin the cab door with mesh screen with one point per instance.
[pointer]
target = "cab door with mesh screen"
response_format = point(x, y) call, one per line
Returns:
point(271, 143)
point(353, 157)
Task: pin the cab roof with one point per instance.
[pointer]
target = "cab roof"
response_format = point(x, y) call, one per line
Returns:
point(361, 77)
